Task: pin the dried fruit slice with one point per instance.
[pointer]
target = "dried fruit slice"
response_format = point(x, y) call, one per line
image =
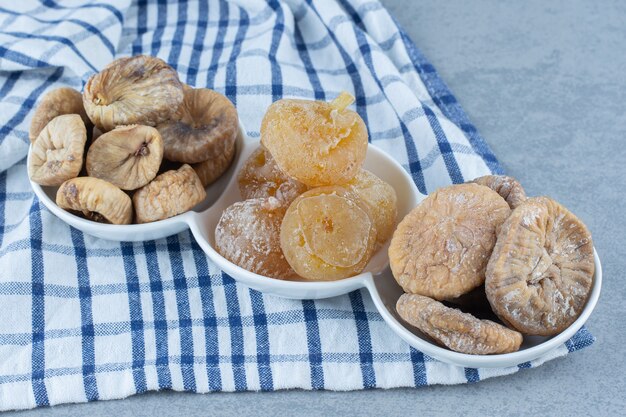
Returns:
point(57, 102)
point(541, 271)
point(57, 154)
point(248, 234)
point(133, 90)
point(203, 128)
point(128, 156)
point(441, 248)
point(209, 171)
point(458, 331)
point(327, 234)
point(260, 177)
point(315, 142)
point(96, 200)
point(508, 188)
point(169, 194)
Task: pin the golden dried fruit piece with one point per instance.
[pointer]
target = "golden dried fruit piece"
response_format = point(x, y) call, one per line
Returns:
point(456, 330)
point(328, 234)
point(57, 153)
point(204, 127)
point(441, 248)
point(508, 188)
point(57, 102)
point(127, 156)
point(169, 194)
point(96, 200)
point(211, 170)
point(248, 234)
point(260, 177)
point(541, 271)
point(382, 199)
point(315, 142)
point(133, 90)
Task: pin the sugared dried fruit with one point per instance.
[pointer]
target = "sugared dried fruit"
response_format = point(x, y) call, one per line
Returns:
point(328, 234)
point(55, 103)
point(209, 171)
point(169, 194)
point(57, 153)
point(541, 271)
point(128, 156)
point(248, 234)
point(458, 331)
point(132, 90)
point(508, 188)
point(315, 142)
point(203, 128)
point(441, 248)
point(96, 200)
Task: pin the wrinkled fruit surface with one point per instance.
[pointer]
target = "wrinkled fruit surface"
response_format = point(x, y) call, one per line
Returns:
point(458, 331)
point(57, 154)
point(96, 200)
point(381, 197)
point(541, 271)
point(508, 188)
point(248, 234)
point(441, 248)
point(260, 177)
point(132, 90)
point(314, 142)
point(211, 170)
point(55, 103)
point(328, 234)
point(203, 128)
point(128, 156)
point(169, 194)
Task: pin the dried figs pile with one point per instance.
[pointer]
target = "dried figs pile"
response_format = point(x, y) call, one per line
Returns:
point(137, 145)
point(310, 210)
point(485, 244)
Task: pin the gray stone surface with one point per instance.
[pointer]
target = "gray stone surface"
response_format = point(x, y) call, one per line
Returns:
point(546, 86)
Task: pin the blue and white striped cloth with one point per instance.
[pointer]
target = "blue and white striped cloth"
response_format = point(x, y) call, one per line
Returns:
point(83, 319)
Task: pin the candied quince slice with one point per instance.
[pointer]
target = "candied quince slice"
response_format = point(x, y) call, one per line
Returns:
point(315, 142)
point(541, 271)
point(64, 100)
point(328, 234)
point(261, 177)
point(456, 330)
point(132, 90)
point(441, 248)
point(248, 234)
point(508, 188)
point(96, 200)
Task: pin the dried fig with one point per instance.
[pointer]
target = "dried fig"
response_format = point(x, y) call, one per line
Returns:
point(508, 188)
point(128, 156)
point(57, 102)
point(133, 90)
point(96, 200)
point(169, 194)
point(541, 271)
point(209, 171)
point(203, 128)
point(459, 331)
point(57, 153)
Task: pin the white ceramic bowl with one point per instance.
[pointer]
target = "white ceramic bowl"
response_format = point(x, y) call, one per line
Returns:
point(377, 277)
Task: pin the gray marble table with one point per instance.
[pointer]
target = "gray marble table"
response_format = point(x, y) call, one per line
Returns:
point(545, 83)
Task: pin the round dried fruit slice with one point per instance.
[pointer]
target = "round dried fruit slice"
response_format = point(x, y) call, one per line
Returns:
point(315, 142)
point(260, 177)
point(96, 200)
point(127, 156)
point(64, 100)
point(211, 170)
point(57, 154)
point(133, 90)
point(169, 194)
point(441, 248)
point(203, 128)
point(248, 234)
point(541, 271)
point(328, 234)
point(456, 330)
point(508, 188)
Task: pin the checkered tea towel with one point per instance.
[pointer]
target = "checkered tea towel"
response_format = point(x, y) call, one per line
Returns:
point(83, 319)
